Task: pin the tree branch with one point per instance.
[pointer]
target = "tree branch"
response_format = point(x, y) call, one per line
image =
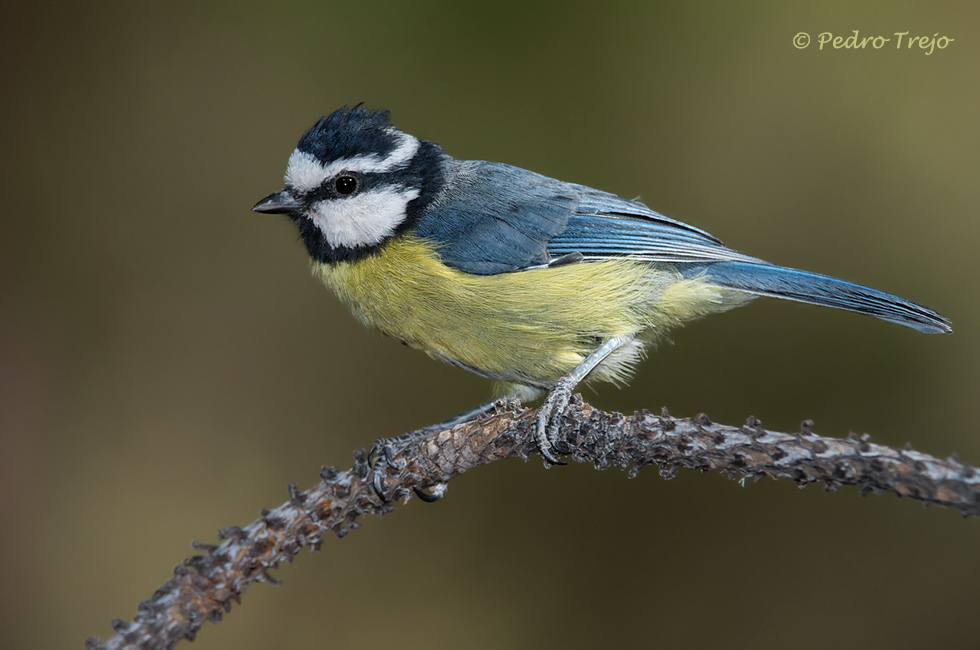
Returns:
point(206, 585)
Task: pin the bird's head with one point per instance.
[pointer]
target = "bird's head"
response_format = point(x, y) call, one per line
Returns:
point(354, 182)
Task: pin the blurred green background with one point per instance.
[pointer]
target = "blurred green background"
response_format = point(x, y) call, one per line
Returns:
point(167, 364)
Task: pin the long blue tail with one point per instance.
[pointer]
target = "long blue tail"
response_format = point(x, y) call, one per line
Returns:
point(803, 286)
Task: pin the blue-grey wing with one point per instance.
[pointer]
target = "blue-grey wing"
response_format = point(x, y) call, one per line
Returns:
point(605, 225)
point(495, 218)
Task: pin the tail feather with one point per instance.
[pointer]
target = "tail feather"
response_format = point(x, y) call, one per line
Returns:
point(803, 286)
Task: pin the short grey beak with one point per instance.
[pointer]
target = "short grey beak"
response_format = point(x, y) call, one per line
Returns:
point(281, 202)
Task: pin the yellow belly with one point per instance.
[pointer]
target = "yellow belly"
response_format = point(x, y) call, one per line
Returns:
point(528, 327)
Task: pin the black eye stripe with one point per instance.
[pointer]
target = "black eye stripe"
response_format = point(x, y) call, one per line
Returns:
point(333, 188)
point(416, 174)
point(336, 188)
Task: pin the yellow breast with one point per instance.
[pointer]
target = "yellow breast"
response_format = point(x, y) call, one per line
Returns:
point(527, 327)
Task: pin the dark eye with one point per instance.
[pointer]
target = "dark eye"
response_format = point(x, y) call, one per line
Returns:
point(345, 184)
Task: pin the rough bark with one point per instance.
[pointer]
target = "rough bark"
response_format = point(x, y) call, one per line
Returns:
point(206, 585)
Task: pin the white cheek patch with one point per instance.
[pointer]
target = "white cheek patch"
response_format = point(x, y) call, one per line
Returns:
point(362, 220)
point(304, 172)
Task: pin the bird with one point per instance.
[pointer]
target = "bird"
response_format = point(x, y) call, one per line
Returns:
point(535, 283)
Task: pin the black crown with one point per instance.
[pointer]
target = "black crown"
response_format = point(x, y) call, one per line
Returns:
point(349, 132)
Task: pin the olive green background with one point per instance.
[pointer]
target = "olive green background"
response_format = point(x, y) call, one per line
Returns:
point(167, 364)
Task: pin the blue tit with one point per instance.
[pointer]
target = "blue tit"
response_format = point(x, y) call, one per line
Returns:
point(533, 282)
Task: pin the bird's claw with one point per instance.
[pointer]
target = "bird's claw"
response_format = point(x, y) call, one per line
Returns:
point(384, 456)
point(549, 421)
point(383, 449)
point(390, 448)
point(435, 492)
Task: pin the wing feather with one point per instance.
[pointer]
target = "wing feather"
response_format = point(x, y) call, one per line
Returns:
point(495, 218)
point(605, 225)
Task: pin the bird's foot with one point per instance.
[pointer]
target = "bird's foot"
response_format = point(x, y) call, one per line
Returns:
point(551, 411)
point(384, 455)
point(385, 452)
point(549, 418)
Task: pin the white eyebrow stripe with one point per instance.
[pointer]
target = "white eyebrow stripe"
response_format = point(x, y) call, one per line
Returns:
point(304, 172)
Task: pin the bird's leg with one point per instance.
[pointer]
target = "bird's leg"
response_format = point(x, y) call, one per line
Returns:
point(550, 411)
point(390, 448)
